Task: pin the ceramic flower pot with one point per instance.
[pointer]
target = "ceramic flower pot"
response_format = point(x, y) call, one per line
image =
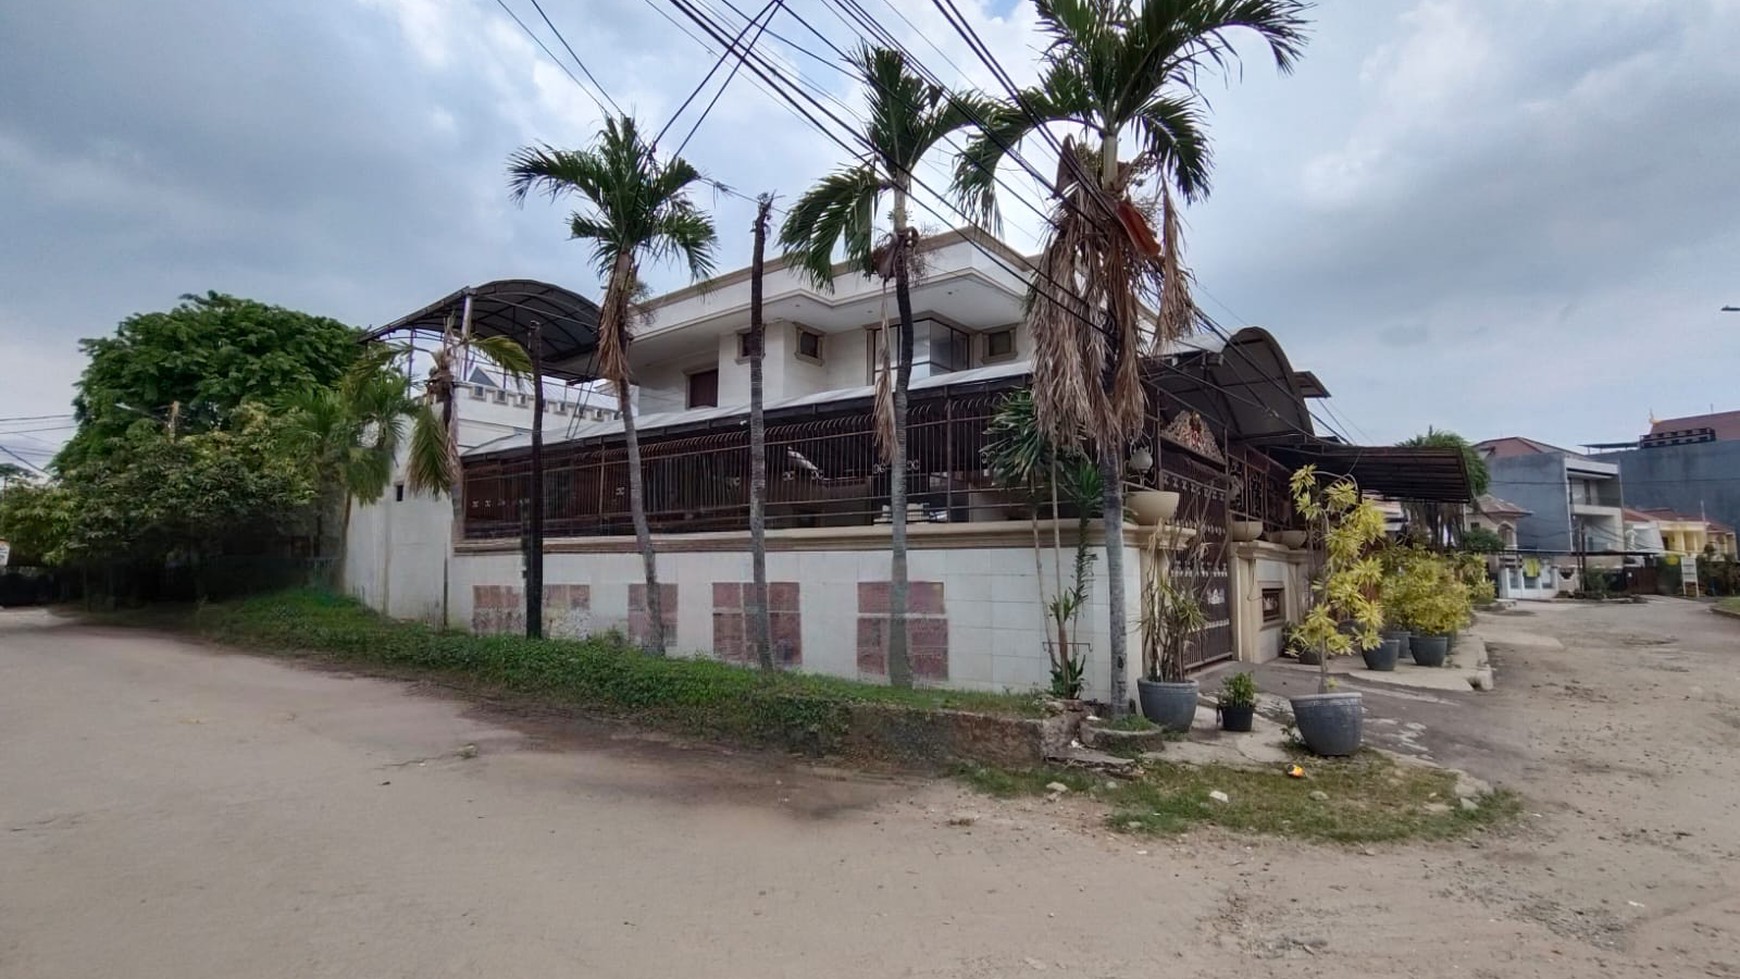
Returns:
point(1240, 531)
point(1170, 705)
point(1330, 724)
point(1152, 507)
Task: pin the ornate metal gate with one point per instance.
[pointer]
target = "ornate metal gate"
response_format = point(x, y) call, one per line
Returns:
point(1202, 488)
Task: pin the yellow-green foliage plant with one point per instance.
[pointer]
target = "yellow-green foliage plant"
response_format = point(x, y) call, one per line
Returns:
point(1347, 589)
point(1428, 593)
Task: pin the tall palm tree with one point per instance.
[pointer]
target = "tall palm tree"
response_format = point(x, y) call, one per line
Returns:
point(907, 118)
point(1113, 67)
point(350, 433)
point(634, 207)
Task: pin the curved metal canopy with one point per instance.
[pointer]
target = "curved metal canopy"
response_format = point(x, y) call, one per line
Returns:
point(567, 321)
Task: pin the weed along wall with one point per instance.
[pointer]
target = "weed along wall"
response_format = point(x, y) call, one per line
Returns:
point(975, 619)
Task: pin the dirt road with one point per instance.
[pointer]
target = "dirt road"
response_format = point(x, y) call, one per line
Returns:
point(167, 810)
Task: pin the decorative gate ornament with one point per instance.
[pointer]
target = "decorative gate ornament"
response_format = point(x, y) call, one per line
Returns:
point(1189, 430)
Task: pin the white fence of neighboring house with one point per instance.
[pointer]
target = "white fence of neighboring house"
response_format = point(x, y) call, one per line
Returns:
point(1534, 578)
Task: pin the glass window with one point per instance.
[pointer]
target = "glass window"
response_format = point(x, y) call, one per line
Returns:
point(809, 345)
point(1000, 343)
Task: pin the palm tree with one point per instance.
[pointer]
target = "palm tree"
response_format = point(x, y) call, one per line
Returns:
point(432, 462)
point(1113, 68)
point(907, 118)
point(350, 433)
point(633, 207)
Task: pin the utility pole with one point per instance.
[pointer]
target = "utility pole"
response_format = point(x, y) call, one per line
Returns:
point(760, 621)
point(535, 539)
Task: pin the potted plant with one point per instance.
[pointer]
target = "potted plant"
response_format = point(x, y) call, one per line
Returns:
point(1237, 703)
point(1171, 618)
point(1332, 722)
point(1428, 593)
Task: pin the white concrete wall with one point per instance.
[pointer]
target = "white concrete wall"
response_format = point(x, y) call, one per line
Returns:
point(996, 625)
point(395, 552)
point(1255, 566)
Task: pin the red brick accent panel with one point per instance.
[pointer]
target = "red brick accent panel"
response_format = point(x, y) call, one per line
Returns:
point(639, 625)
point(731, 629)
point(927, 629)
point(501, 610)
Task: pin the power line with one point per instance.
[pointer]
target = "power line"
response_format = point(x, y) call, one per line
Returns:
point(570, 48)
point(23, 460)
point(552, 55)
point(727, 83)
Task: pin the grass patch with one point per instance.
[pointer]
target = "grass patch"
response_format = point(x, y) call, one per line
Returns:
point(603, 673)
point(1370, 799)
point(1006, 784)
point(1129, 722)
point(1729, 604)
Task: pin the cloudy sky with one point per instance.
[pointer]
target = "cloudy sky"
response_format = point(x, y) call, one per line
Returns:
point(1497, 217)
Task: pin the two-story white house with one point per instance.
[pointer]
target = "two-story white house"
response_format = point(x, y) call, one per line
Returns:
point(1227, 421)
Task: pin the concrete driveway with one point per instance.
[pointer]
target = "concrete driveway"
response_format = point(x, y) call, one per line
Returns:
point(171, 810)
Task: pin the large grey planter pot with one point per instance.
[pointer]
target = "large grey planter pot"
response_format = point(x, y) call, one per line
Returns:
point(1383, 658)
point(1430, 650)
point(1331, 724)
point(1403, 638)
point(1170, 705)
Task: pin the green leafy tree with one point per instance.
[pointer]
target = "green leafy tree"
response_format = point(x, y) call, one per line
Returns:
point(1441, 523)
point(35, 519)
point(1111, 70)
point(907, 117)
point(158, 495)
point(205, 358)
point(634, 207)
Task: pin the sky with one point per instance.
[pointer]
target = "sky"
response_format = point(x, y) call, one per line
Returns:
point(1491, 216)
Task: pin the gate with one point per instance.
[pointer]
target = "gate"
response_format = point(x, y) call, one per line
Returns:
point(1202, 570)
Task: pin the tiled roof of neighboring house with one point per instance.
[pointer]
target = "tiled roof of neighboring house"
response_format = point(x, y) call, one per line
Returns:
point(1726, 424)
point(1668, 513)
point(1638, 516)
point(1516, 445)
point(1492, 506)
point(1719, 526)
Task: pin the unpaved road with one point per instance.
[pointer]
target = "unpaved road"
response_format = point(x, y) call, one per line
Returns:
point(167, 810)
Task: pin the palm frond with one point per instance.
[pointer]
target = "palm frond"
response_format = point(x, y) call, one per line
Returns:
point(839, 209)
point(1172, 134)
point(505, 353)
point(429, 465)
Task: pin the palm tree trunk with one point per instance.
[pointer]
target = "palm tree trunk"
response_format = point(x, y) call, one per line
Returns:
point(759, 620)
point(655, 641)
point(1112, 475)
point(899, 589)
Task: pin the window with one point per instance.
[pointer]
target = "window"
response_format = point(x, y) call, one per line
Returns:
point(809, 345)
point(1000, 344)
point(937, 348)
point(704, 389)
point(745, 349)
point(398, 492)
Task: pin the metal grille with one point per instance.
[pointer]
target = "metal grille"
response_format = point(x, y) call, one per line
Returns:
point(1202, 489)
point(821, 473)
point(1259, 488)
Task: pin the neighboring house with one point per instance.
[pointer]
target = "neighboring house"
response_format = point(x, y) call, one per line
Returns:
point(1687, 535)
point(1573, 503)
point(1643, 536)
point(1499, 516)
point(1228, 423)
point(1687, 465)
